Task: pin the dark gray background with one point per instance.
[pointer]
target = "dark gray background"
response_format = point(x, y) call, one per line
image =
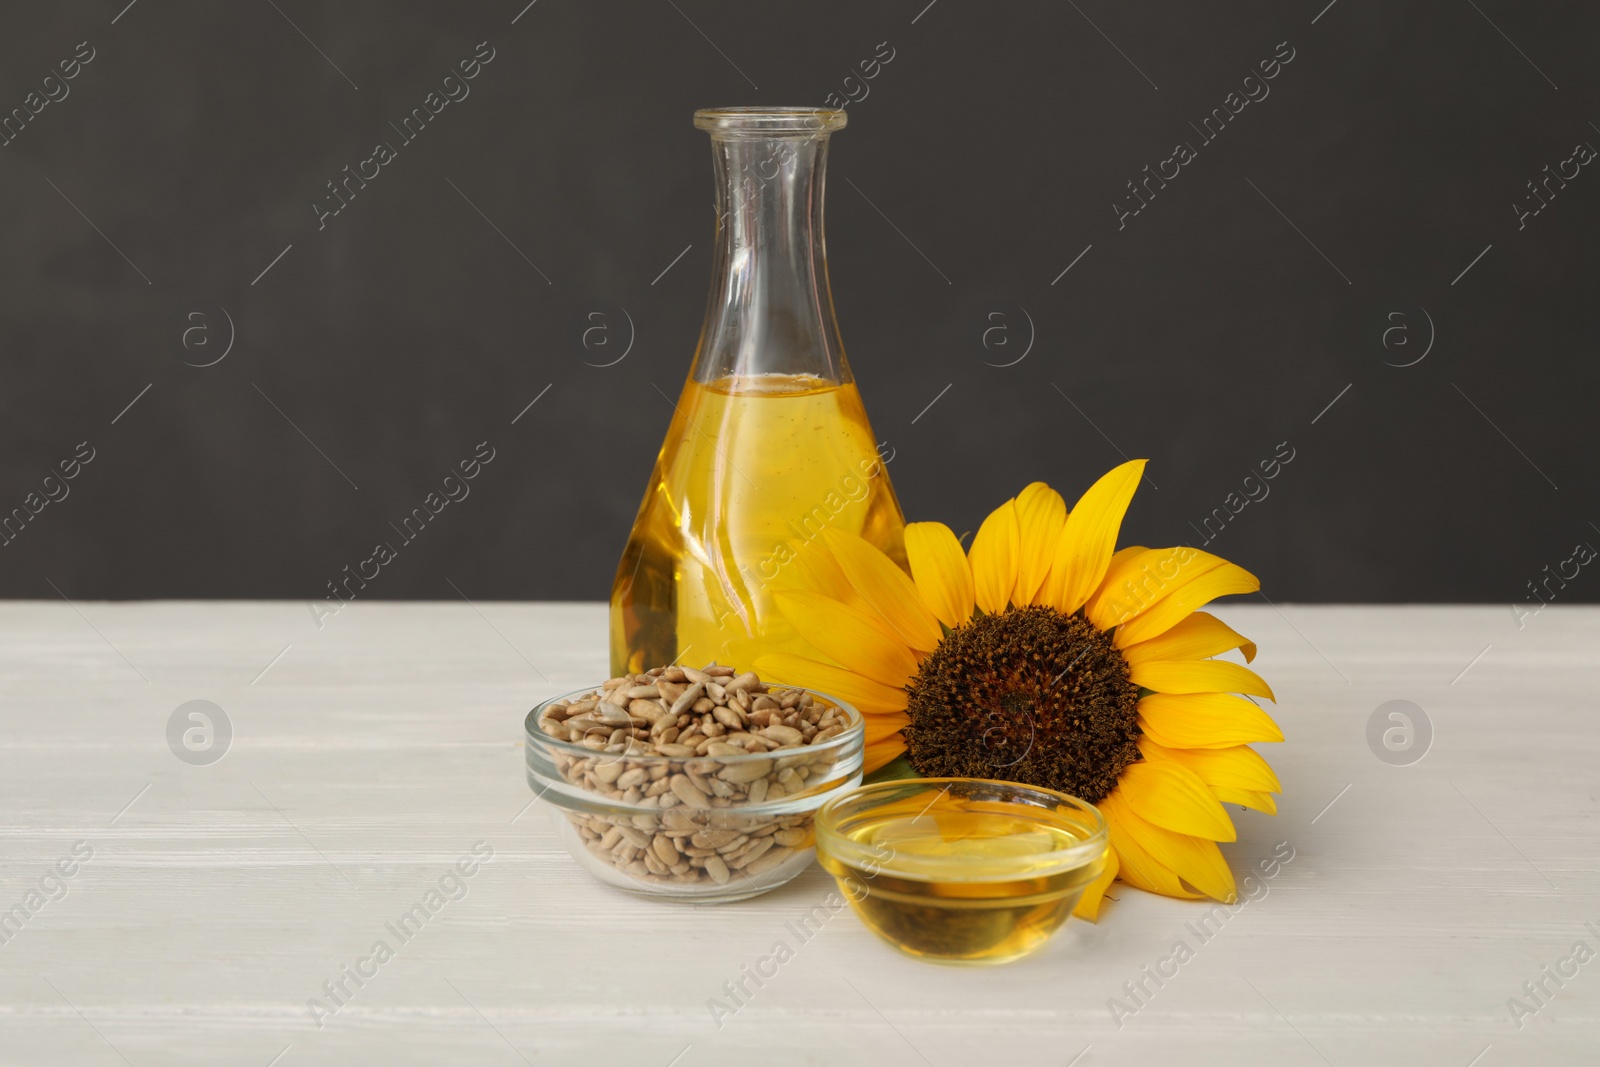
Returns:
point(1203, 334)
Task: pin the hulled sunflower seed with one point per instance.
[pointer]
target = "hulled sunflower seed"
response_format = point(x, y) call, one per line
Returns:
point(687, 697)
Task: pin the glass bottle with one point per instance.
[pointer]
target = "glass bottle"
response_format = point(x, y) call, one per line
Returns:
point(769, 443)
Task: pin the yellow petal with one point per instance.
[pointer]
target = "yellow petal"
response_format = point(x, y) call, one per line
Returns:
point(814, 569)
point(882, 753)
point(1195, 860)
point(1248, 798)
point(994, 558)
point(940, 569)
point(887, 588)
point(869, 697)
point(1237, 767)
point(881, 727)
point(1200, 636)
point(1137, 579)
point(1135, 865)
point(1088, 906)
point(859, 643)
point(1040, 514)
point(1199, 676)
point(1204, 720)
point(1089, 537)
point(1169, 794)
point(1173, 608)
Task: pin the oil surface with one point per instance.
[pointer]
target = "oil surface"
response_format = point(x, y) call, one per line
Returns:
point(965, 881)
point(751, 467)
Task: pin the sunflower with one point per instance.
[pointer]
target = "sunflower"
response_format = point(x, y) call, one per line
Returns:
point(1046, 656)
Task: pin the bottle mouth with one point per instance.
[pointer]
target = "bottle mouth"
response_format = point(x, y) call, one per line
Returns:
point(737, 123)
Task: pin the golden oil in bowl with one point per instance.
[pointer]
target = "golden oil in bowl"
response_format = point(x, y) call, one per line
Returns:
point(961, 870)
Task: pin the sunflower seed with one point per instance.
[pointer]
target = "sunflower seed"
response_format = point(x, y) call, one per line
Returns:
point(665, 849)
point(636, 838)
point(751, 851)
point(765, 863)
point(688, 792)
point(743, 681)
point(747, 771)
point(688, 697)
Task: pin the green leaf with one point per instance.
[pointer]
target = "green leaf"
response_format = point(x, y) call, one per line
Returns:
point(892, 771)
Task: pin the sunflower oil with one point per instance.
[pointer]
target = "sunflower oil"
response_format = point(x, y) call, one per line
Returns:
point(965, 881)
point(752, 468)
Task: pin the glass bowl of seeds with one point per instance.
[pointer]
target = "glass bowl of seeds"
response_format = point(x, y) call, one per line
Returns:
point(693, 785)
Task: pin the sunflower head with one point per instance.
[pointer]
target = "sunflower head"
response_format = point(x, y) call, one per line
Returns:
point(1046, 656)
point(1029, 695)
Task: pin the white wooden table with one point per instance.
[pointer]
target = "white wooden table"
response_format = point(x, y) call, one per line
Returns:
point(371, 755)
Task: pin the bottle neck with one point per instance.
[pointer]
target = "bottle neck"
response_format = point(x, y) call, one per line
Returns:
point(770, 311)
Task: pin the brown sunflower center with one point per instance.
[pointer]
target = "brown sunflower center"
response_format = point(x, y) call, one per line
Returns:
point(1028, 695)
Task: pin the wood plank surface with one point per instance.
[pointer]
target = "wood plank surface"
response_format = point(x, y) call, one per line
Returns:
point(371, 754)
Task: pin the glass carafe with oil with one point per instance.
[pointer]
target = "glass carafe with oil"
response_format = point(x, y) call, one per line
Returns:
point(769, 444)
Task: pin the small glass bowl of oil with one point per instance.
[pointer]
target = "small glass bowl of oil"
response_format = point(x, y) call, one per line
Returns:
point(961, 870)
